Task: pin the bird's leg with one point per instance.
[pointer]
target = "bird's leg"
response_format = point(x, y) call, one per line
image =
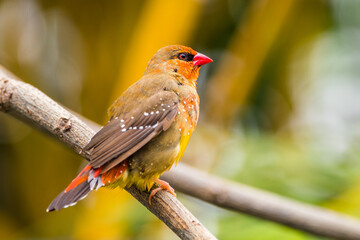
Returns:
point(162, 185)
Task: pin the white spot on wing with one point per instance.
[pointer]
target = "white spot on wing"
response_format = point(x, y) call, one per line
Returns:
point(146, 114)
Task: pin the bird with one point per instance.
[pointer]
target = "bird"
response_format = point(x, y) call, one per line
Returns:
point(148, 130)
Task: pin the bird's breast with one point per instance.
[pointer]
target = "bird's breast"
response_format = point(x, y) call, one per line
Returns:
point(186, 120)
point(188, 114)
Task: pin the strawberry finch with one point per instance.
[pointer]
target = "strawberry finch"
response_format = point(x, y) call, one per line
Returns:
point(150, 125)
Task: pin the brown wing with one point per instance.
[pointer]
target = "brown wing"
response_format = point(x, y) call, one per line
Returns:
point(128, 132)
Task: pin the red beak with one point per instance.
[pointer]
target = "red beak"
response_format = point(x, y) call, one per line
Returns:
point(200, 59)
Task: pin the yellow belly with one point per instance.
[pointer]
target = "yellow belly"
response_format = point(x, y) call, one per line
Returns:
point(146, 181)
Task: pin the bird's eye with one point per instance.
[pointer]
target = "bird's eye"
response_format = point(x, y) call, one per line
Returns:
point(183, 56)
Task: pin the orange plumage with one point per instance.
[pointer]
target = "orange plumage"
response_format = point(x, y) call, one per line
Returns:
point(149, 128)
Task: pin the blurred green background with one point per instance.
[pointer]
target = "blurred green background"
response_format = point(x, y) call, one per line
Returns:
point(280, 106)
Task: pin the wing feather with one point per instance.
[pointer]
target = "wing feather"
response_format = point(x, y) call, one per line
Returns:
point(128, 132)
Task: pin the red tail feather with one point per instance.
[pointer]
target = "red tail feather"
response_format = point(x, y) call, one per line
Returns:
point(82, 177)
point(88, 179)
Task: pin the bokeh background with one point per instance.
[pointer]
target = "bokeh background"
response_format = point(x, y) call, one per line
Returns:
point(280, 106)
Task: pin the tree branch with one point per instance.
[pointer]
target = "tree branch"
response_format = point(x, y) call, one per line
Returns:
point(242, 198)
point(28, 103)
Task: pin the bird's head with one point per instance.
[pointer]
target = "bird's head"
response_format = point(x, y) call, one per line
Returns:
point(178, 60)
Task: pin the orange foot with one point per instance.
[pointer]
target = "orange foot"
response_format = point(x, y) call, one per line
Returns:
point(163, 185)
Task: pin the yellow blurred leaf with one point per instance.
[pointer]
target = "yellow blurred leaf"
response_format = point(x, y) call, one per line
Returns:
point(161, 23)
point(103, 215)
point(348, 202)
point(248, 48)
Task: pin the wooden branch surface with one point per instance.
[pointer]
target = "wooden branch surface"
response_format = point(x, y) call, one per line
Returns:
point(242, 198)
point(28, 103)
point(211, 189)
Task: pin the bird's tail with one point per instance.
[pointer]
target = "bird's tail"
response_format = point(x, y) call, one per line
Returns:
point(88, 179)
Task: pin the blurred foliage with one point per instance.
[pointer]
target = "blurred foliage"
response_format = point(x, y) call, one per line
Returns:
point(279, 106)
